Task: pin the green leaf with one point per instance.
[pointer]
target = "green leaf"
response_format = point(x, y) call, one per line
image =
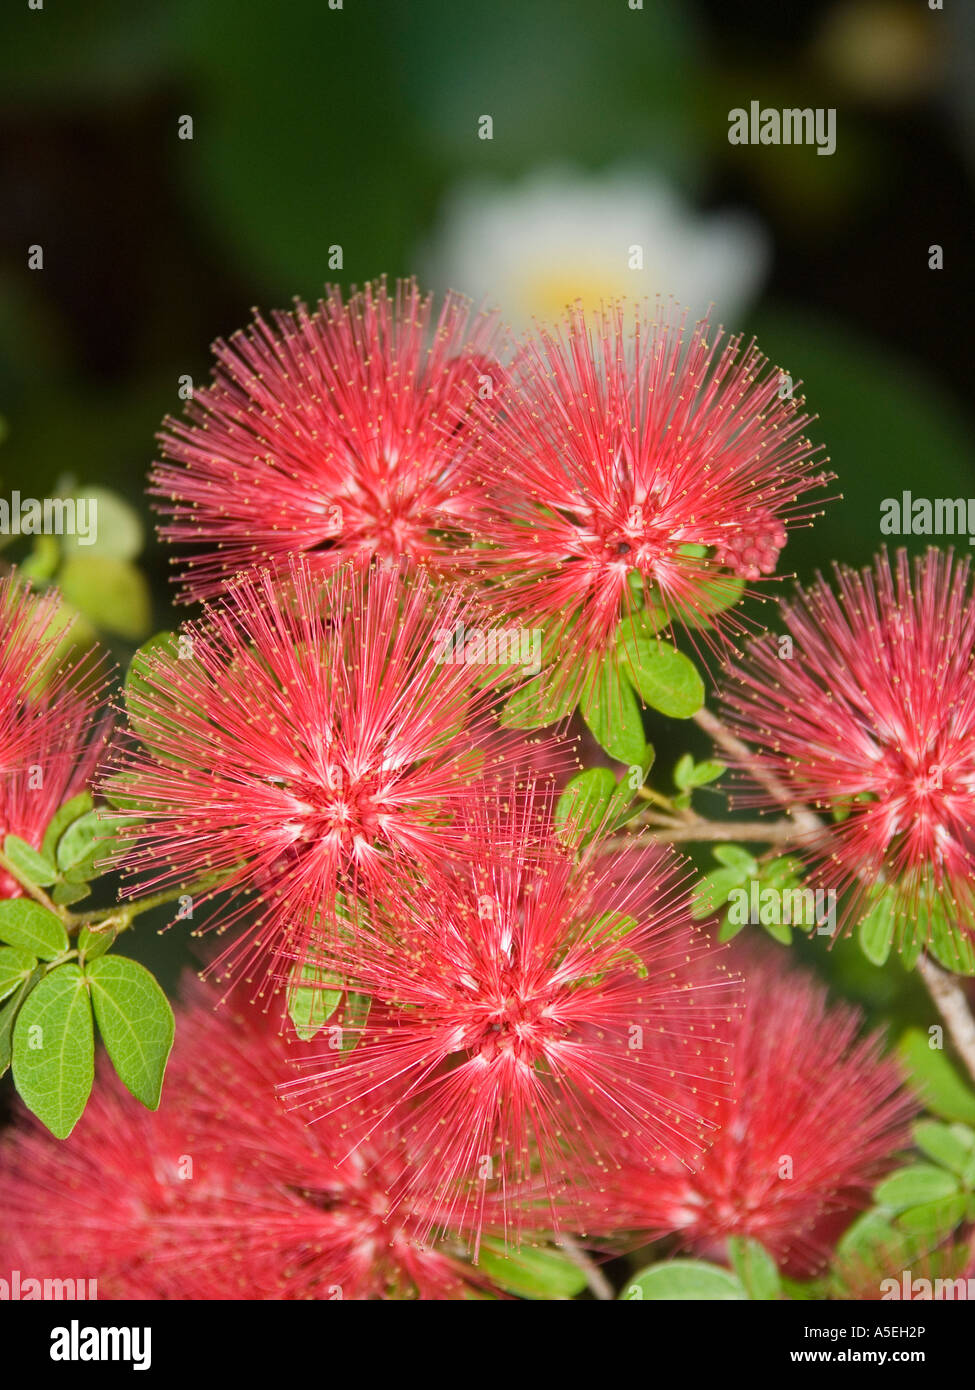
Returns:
point(778, 931)
point(683, 772)
point(711, 891)
point(711, 596)
point(612, 714)
point(54, 1049)
point(112, 593)
point(944, 940)
point(135, 1021)
point(64, 894)
point(537, 1272)
point(26, 924)
point(916, 1184)
point(583, 805)
point(62, 818)
point(953, 1146)
point(729, 929)
point(870, 1232)
point(781, 873)
point(734, 857)
point(8, 1016)
point(92, 943)
point(36, 868)
point(755, 1268)
point(623, 804)
point(685, 1279)
point(933, 1219)
point(118, 531)
point(310, 1003)
point(15, 967)
point(936, 1080)
point(354, 1018)
point(541, 701)
point(86, 841)
point(707, 771)
point(665, 678)
point(139, 678)
point(43, 560)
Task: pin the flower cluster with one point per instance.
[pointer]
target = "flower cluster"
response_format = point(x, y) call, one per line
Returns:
point(468, 1007)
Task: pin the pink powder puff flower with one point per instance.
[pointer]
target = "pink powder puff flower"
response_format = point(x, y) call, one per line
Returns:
point(636, 462)
point(222, 1193)
point(873, 719)
point(814, 1118)
point(338, 433)
point(517, 1023)
point(312, 742)
point(48, 708)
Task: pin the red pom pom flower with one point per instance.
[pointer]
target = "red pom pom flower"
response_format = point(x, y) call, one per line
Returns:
point(338, 433)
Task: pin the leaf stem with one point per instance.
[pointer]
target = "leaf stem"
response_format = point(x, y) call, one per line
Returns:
point(599, 1285)
point(125, 912)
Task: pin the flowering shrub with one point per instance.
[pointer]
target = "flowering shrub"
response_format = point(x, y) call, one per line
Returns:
point(478, 1033)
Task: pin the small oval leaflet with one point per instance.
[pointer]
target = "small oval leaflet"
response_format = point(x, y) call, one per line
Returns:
point(54, 1079)
point(135, 1021)
point(26, 924)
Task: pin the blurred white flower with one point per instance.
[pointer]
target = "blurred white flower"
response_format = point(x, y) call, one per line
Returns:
point(558, 236)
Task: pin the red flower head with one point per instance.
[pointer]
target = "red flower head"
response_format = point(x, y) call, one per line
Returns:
point(222, 1193)
point(313, 742)
point(48, 706)
point(812, 1121)
point(336, 433)
point(519, 1018)
point(872, 718)
point(643, 468)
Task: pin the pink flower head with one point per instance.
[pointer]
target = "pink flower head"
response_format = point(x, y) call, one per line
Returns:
point(535, 1010)
point(642, 465)
point(222, 1193)
point(48, 707)
point(336, 433)
point(311, 741)
point(873, 718)
point(814, 1118)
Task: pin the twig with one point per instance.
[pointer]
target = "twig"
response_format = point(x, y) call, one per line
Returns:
point(953, 1007)
point(672, 831)
point(741, 754)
